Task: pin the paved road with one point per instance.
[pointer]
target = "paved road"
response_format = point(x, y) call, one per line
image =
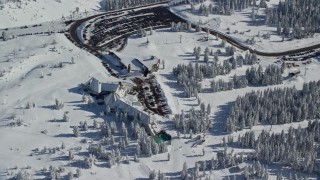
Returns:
point(76, 24)
point(261, 53)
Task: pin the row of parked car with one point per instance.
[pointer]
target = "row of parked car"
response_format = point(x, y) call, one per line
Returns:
point(107, 28)
point(156, 97)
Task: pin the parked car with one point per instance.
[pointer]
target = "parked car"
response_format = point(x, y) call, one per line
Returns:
point(150, 99)
point(168, 111)
point(162, 98)
point(146, 88)
point(152, 104)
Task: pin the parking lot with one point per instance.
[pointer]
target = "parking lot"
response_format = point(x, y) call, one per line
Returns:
point(109, 32)
point(152, 96)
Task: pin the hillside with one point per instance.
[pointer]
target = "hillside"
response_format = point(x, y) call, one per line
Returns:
point(29, 12)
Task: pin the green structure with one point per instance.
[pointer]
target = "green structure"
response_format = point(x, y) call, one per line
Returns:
point(162, 136)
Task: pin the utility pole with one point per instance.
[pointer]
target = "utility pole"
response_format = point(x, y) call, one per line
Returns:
point(180, 38)
point(305, 71)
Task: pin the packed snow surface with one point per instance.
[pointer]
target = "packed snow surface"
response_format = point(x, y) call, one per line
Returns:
point(241, 27)
point(30, 12)
point(38, 69)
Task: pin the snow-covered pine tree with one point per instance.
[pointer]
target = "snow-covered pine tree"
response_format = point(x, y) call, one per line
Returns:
point(76, 131)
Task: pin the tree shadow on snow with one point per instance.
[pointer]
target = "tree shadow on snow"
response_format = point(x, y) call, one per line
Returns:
point(177, 175)
point(42, 173)
point(74, 102)
point(275, 169)
point(91, 135)
point(65, 135)
point(196, 155)
point(162, 160)
point(101, 164)
point(60, 158)
point(206, 90)
point(77, 164)
point(48, 107)
point(258, 22)
point(173, 85)
point(220, 118)
point(56, 120)
point(169, 125)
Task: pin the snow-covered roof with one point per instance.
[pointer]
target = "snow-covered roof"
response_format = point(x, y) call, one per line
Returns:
point(242, 165)
point(137, 63)
point(128, 103)
point(109, 87)
point(99, 86)
point(110, 99)
point(114, 100)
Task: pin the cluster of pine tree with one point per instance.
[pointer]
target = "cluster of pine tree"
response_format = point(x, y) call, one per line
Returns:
point(225, 159)
point(275, 106)
point(191, 75)
point(230, 50)
point(194, 121)
point(298, 148)
point(153, 175)
point(249, 59)
point(254, 76)
point(227, 7)
point(295, 18)
point(236, 83)
point(256, 171)
point(197, 52)
point(111, 5)
point(271, 76)
point(180, 27)
point(145, 144)
point(207, 52)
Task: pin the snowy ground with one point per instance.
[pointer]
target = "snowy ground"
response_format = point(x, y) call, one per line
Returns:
point(242, 22)
point(34, 12)
point(165, 44)
point(26, 63)
point(28, 66)
point(25, 60)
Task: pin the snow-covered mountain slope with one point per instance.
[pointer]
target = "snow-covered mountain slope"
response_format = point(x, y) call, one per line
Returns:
point(30, 74)
point(36, 70)
point(240, 27)
point(37, 11)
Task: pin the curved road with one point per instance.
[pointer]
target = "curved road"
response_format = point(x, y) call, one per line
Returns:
point(74, 37)
point(74, 26)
